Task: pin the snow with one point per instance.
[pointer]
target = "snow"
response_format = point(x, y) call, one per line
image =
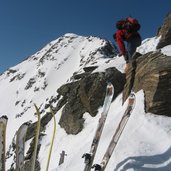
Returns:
point(166, 50)
point(145, 142)
point(117, 61)
point(148, 45)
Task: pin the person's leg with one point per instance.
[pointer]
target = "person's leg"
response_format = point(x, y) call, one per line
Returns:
point(132, 44)
point(131, 48)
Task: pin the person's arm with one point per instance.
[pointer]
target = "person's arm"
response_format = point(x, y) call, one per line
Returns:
point(120, 42)
point(121, 45)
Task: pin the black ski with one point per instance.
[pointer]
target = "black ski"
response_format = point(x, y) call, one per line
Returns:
point(89, 157)
point(116, 136)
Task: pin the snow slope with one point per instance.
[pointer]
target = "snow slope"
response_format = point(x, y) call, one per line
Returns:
point(145, 142)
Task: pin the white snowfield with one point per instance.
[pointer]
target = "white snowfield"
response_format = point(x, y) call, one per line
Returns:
point(145, 142)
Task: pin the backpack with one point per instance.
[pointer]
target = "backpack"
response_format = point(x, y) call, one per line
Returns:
point(130, 24)
point(120, 24)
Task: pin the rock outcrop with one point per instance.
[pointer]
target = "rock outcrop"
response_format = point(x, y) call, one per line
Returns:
point(153, 75)
point(165, 32)
point(86, 95)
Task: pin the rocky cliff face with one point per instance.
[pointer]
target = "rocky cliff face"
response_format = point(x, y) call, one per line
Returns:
point(152, 73)
point(165, 32)
point(86, 95)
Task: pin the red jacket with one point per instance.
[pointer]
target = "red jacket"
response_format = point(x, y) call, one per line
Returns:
point(121, 36)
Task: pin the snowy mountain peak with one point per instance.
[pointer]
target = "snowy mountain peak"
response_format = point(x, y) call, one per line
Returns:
point(36, 79)
point(86, 49)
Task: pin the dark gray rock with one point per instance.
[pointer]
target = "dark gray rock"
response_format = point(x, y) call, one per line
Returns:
point(87, 95)
point(90, 68)
point(165, 32)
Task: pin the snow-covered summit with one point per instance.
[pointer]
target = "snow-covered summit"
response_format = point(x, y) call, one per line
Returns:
point(46, 70)
point(36, 79)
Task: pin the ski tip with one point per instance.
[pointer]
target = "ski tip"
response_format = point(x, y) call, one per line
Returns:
point(131, 99)
point(109, 84)
point(132, 95)
point(23, 128)
point(27, 123)
point(110, 88)
point(37, 110)
point(4, 117)
point(35, 106)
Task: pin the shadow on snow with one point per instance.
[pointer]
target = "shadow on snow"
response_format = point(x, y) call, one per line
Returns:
point(160, 162)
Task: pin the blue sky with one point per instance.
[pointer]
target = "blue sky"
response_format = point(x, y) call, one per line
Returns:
point(28, 25)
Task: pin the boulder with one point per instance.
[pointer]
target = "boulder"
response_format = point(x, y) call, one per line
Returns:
point(152, 73)
point(86, 95)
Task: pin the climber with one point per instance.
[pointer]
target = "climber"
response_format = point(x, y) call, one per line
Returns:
point(127, 31)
